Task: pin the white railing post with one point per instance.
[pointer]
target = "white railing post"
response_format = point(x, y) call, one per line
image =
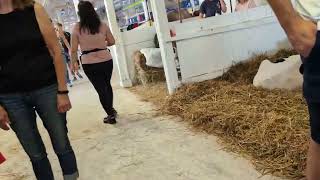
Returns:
point(75, 3)
point(145, 9)
point(120, 54)
point(168, 56)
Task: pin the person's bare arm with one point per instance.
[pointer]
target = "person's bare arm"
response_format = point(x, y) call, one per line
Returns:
point(74, 49)
point(301, 32)
point(51, 40)
point(284, 11)
point(53, 45)
point(223, 6)
point(109, 37)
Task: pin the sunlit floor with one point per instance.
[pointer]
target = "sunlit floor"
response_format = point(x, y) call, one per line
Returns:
point(142, 146)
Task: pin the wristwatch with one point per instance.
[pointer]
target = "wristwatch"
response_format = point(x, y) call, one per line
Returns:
point(63, 92)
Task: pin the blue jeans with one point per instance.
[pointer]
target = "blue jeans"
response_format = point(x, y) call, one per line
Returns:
point(311, 88)
point(311, 74)
point(314, 112)
point(22, 109)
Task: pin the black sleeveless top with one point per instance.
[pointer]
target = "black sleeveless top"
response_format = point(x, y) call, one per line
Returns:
point(25, 61)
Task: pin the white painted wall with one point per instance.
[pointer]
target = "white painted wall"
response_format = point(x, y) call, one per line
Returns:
point(209, 46)
point(76, 2)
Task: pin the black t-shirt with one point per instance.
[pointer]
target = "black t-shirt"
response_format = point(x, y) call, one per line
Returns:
point(210, 8)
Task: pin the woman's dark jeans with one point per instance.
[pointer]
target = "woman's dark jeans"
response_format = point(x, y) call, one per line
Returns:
point(100, 75)
point(22, 109)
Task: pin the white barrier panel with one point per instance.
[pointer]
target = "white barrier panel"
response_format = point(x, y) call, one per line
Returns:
point(208, 47)
point(135, 40)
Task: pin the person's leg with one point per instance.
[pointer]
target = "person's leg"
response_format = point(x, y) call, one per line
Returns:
point(68, 77)
point(108, 69)
point(23, 122)
point(77, 71)
point(313, 162)
point(311, 91)
point(56, 124)
point(98, 75)
point(67, 70)
point(79, 75)
point(69, 65)
point(73, 73)
point(111, 118)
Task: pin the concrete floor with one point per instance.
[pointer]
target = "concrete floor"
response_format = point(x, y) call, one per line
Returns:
point(142, 146)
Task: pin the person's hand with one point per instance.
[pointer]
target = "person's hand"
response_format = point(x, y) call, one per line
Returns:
point(64, 104)
point(61, 33)
point(302, 35)
point(75, 67)
point(223, 6)
point(4, 119)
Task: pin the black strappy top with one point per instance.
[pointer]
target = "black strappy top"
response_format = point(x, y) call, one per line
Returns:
point(25, 61)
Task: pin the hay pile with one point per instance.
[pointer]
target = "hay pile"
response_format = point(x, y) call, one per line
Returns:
point(146, 74)
point(270, 127)
point(153, 92)
point(244, 72)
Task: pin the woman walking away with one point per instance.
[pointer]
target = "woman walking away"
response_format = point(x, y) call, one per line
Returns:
point(93, 36)
point(32, 80)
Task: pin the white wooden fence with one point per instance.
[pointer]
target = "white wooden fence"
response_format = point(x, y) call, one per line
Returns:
point(206, 47)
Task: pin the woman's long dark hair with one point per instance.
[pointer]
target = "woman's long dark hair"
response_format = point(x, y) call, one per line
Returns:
point(89, 19)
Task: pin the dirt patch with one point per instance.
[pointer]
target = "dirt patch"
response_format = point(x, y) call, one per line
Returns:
point(154, 92)
point(13, 176)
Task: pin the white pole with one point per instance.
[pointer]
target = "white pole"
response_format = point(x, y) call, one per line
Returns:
point(201, 1)
point(145, 9)
point(120, 55)
point(168, 56)
point(76, 2)
point(58, 13)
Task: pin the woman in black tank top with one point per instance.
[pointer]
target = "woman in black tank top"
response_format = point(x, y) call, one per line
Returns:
point(32, 80)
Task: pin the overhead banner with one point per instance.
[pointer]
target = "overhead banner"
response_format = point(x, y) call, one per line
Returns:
point(137, 3)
